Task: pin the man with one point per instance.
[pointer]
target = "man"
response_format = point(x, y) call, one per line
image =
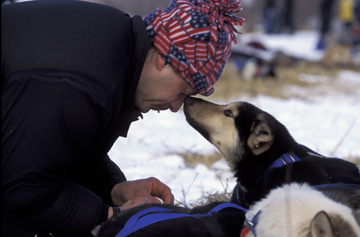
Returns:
point(74, 76)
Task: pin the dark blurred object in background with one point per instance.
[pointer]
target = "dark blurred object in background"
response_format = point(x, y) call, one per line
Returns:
point(287, 17)
point(270, 16)
point(325, 11)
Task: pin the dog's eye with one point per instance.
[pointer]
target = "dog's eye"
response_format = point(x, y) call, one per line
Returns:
point(228, 113)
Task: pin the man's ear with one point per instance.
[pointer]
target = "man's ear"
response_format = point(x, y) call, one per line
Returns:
point(160, 62)
point(261, 137)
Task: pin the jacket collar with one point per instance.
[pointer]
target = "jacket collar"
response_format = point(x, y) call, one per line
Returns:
point(141, 44)
point(141, 47)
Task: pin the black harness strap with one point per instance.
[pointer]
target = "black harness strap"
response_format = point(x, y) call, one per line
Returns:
point(213, 226)
point(288, 170)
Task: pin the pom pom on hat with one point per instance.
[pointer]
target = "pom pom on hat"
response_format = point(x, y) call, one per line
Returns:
point(195, 37)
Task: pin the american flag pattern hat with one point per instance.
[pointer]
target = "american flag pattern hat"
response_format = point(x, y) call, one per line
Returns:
point(195, 37)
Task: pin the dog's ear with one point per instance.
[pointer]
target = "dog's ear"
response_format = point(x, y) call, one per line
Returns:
point(321, 225)
point(261, 137)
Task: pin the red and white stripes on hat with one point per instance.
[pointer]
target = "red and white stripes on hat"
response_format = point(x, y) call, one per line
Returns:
point(195, 37)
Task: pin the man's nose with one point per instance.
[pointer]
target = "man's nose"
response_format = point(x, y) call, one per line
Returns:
point(176, 104)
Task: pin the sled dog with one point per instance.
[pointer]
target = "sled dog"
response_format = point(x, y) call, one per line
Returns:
point(260, 151)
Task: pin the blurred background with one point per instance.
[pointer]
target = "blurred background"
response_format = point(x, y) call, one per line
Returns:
point(301, 14)
point(272, 16)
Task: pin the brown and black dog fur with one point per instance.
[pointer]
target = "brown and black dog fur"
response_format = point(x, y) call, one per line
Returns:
point(251, 139)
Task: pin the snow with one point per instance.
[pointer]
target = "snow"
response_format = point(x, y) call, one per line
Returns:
point(299, 45)
point(327, 123)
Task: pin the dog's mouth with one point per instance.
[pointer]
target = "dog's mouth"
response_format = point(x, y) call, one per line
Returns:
point(198, 127)
point(191, 114)
point(216, 124)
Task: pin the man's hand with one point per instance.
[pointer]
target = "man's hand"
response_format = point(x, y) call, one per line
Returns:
point(137, 201)
point(145, 188)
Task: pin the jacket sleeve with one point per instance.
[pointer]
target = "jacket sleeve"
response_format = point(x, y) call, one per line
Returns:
point(49, 121)
point(62, 81)
point(99, 176)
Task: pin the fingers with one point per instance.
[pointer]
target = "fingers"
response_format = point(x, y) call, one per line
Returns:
point(169, 199)
point(117, 193)
point(159, 189)
point(137, 201)
point(147, 188)
point(144, 193)
point(165, 194)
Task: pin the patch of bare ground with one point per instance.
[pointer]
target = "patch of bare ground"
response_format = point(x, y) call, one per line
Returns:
point(301, 79)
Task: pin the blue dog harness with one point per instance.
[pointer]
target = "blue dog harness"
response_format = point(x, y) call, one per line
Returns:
point(283, 160)
point(154, 215)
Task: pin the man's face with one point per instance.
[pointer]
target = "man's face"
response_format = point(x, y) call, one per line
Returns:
point(165, 90)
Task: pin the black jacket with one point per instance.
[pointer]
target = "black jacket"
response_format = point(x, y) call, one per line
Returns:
point(69, 71)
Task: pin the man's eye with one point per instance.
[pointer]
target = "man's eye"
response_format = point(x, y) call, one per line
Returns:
point(228, 113)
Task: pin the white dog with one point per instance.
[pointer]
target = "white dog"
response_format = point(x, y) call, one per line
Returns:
point(300, 210)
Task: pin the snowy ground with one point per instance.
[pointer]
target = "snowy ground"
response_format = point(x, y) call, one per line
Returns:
point(320, 123)
point(299, 45)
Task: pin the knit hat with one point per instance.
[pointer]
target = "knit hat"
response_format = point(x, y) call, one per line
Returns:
point(195, 37)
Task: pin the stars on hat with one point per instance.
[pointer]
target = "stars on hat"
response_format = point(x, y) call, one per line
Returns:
point(199, 20)
point(222, 37)
point(199, 81)
point(150, 17)
point(194, 37)
point(171, 7)
point(178, 55)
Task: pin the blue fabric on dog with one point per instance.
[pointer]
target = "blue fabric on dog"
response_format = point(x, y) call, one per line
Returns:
point(153, 215)
point(285, 159)
point(225, 205)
